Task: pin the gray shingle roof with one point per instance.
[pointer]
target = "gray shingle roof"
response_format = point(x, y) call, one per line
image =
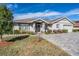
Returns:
point(30, 20)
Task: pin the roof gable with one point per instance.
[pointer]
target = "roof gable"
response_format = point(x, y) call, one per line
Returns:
point(59, 19)
point(39, 20)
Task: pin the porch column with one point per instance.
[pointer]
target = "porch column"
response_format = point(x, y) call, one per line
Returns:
point(33, 27)
point(43, 27)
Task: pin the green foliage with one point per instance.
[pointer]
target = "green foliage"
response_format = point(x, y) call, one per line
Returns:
point(60, 31)
point(17, 32)
point(65, 31)
point(6, 23)
point(55, 31)
point(75, 30)
point(48, 32)
point(23, 32)
point(32, 33)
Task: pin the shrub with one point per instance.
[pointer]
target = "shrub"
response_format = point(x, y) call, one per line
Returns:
point(55, 31)
point(27, 32)
point(65, 31)
point(60, 31)
point(75, 30)
point(17, 32)
point(32, 33)
point(48, 32)
point(23, 32)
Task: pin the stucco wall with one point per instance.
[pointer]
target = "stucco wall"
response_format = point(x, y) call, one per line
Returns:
point(32, 27)
point(63, 24)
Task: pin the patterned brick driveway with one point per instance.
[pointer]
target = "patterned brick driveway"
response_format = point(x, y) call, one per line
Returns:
point(67, 41)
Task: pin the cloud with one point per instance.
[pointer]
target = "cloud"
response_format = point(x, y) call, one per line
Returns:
point(46, 13)
point(37, 14)
point(72, 12)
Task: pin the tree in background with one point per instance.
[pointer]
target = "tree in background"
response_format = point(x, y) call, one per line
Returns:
point(6, 20)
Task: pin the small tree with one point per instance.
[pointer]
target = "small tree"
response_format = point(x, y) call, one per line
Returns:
point(6, 23)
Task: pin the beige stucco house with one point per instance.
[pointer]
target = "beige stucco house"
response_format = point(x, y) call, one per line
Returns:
point(42, 25)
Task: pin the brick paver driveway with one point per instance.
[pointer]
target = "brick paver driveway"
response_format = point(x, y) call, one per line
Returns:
point(67, 41)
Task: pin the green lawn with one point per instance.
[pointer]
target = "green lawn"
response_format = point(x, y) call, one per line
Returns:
point(32, 46)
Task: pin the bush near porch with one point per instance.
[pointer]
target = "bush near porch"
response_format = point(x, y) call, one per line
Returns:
point(48, 32)
point(56, 31)
point(17, 32)
point(23, 32)
point(75, 30)
point(60, 31)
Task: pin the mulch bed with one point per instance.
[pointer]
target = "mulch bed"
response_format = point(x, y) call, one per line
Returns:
point(4, 43)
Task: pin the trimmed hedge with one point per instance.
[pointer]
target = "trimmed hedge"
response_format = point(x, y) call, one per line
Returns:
point(48, 32)
point(32, 33)
point(23, 32)
point(65, 31)
point(56, 31)
point(60, 31)
point(17, 32)
point(75, 30)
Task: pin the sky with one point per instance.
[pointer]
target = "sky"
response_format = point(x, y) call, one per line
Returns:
point(45, 10)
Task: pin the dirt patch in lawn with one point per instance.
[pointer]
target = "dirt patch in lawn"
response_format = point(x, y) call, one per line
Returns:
point(4, 43)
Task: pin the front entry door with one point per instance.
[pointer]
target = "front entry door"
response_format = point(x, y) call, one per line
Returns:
point(37, 27)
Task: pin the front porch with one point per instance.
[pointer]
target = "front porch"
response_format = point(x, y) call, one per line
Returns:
point(39, 26)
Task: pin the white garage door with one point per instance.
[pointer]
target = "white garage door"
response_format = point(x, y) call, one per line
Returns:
point(68, 27)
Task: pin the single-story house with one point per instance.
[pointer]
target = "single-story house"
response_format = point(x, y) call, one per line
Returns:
point(43, 25)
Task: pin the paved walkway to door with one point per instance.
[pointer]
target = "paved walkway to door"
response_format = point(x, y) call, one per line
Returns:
point(67, 41)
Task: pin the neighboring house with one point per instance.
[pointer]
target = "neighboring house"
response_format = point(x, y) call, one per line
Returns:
point(42, 25)
point(76, 25)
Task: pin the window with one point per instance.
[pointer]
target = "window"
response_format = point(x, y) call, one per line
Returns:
point(24, 26)
point(57, 25)
point(27, 26)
